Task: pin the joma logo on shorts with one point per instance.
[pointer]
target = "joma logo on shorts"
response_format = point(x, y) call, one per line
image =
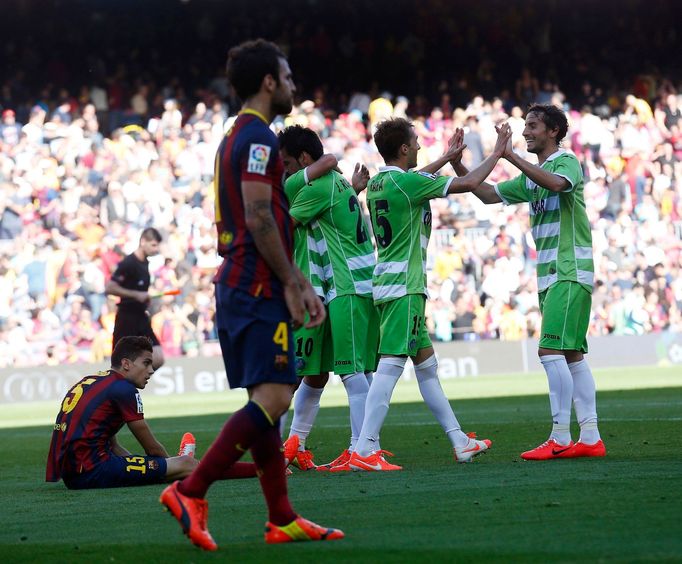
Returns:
point(341, 362)
point(554, 337)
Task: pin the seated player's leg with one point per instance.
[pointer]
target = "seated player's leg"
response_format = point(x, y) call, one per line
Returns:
point(179, 467)
point(122, 471)
point(188, 445)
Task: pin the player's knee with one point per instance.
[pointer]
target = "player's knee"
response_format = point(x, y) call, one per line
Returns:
point(427, 370)
point(187, 464)
point(319, 381)
point(391, 366)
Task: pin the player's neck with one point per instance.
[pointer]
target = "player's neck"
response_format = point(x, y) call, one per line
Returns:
point(259, 106)
point(547, 152)
point(139, 255)
point(400, 163)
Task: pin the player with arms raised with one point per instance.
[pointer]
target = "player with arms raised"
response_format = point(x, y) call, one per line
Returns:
point(554, 191)
point(398, 200)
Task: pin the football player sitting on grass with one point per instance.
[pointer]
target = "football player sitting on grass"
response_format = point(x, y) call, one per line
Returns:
point(84, 451)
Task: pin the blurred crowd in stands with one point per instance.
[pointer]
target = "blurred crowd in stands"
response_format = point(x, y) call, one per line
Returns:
point(74, 196)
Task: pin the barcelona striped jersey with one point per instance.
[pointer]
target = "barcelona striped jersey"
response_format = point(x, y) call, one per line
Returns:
point(92, 412)
point(249, 152)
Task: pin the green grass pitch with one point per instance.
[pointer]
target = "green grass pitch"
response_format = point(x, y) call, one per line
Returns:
point(626, 507)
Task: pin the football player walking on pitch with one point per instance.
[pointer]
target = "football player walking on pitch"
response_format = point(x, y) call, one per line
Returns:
point(260, 295)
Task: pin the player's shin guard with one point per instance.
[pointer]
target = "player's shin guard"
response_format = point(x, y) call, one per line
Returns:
point(378, 399)
point(560, 395)
point(585, 401)
point(434, 397)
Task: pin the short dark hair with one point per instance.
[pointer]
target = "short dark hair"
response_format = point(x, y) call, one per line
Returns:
point(552, 116)
point(249, 63)
point(130, 348)
point(151, 234)
point(391, 134)
point(297, 139)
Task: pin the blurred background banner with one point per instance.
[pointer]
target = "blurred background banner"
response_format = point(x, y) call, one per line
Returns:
point(461, 359)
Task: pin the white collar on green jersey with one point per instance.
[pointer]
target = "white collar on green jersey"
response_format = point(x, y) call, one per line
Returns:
point(555, 155)
point(390, 168)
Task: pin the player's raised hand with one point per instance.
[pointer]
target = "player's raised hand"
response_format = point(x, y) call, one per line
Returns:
point(360, 178)
point(505, 131)
point(456, 146)
point(503, 144)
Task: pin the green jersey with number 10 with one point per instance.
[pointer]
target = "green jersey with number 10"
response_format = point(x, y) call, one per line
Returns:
point(401, 217)
point(330, 204)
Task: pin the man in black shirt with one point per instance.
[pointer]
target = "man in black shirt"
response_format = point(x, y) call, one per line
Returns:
point(130, 282)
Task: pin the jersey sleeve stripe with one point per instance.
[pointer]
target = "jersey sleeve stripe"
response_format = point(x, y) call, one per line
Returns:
point(497, 191)
point(447, 185)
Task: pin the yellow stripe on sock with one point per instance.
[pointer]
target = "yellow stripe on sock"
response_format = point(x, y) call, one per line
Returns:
point(267, 415)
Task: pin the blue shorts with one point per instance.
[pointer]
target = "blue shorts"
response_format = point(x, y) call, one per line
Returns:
point(256, 338)
point(120, 471)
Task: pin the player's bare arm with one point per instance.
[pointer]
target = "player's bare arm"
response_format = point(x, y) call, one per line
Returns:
point(484, 192)
point(473, 179)
point(141, 431)
point(117, 448)
point(313, 304)
point(115, 289)
point(454, 151)
point(541, 177)
point(262, 225)
point(324, 165)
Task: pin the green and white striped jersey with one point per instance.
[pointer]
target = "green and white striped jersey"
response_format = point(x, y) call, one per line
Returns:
point(401, 217)
point(329, 204)
point(308, 240)
point(559, 223)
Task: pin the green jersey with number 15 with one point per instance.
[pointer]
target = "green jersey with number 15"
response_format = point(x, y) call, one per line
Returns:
point(330, 203)
point(401, 217)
